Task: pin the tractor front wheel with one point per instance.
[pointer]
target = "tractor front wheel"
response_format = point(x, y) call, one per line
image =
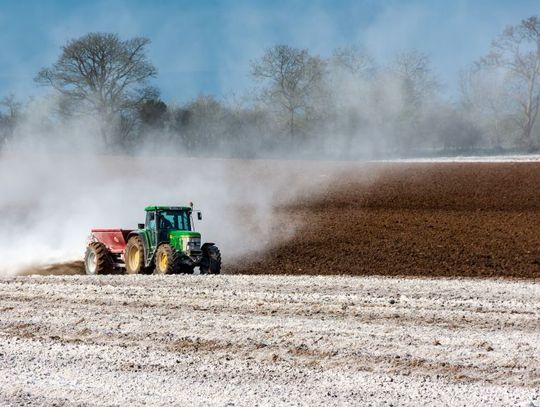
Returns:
point(166, 260)
point(134, 256)
point(97, 259)
point(211, 261)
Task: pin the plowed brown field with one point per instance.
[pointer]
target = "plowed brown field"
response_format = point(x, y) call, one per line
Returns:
point(415, 219)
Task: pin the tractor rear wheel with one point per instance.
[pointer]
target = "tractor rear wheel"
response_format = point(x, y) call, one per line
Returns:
point(211, 261)
point(97, 259)
point(167, 261)
point(134, 256)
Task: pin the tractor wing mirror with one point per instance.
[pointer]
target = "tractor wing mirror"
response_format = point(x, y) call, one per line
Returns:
point(140, 225)
point(199, 215)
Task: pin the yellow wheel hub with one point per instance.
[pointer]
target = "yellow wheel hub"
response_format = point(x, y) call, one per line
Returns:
point(163, 262)
point(134, 258)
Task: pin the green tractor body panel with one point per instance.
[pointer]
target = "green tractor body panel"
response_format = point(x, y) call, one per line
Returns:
point(179, 239)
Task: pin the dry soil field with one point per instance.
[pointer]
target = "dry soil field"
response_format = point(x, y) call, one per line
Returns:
point(268, 340)
point(415, 219)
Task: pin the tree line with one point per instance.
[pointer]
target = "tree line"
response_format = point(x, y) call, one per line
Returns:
point(345, 105)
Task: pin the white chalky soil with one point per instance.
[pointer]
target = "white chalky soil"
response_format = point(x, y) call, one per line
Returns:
point(268, 340)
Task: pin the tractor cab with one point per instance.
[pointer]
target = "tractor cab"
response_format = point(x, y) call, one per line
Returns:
point(168, 218)
point(160, 221)
point(174, 225)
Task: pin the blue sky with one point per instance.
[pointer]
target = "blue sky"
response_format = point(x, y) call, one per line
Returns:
point(206, 46)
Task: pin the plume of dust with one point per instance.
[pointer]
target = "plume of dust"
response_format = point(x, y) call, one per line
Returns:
point(52, 197)
point(49, 202)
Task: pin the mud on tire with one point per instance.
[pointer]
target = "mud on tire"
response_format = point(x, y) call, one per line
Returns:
point(97, 259)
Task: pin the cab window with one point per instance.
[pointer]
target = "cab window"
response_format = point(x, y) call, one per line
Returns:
point(177, 220)
point(151, 220)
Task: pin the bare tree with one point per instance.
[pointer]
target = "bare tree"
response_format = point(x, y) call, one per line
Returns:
point(347, 82)
point(486, 102)
point(292, 76)
point(205, 127)
point(517, 54)
point(352, 62)
point(418, 82)
point(102, 74)
point(12, 105)
point(417, 86)
point(8, 118)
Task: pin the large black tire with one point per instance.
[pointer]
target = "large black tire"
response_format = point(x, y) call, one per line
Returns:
point(134, 256)
point(185, 269)
point(97, 259)
point(167, 260)
point(211, 261)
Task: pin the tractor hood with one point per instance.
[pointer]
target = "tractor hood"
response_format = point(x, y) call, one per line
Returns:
point(185, 241)
point(179, 234)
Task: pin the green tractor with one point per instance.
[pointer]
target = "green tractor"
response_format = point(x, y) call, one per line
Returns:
point(165, 244)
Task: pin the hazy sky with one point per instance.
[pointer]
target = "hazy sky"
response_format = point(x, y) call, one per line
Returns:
point(206, 46)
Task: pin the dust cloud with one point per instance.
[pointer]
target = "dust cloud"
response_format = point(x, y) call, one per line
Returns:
point(49, 202)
